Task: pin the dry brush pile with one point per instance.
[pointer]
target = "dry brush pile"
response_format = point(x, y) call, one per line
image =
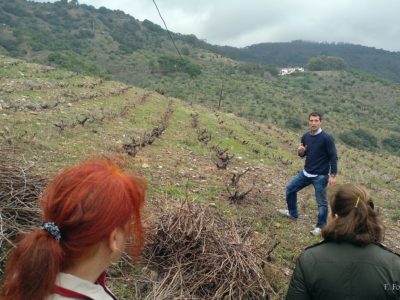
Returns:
point(194, 252)
point(198, 254)
point(20, 188)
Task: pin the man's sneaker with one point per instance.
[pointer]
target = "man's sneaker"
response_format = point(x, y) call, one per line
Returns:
point(316, 231)
point(285, 212)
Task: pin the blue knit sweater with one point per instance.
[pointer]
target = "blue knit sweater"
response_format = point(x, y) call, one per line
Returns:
point(321, 155)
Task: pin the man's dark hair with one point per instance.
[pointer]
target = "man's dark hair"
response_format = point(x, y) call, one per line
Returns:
point(315, 114)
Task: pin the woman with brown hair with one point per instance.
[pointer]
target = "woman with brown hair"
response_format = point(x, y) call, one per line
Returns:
point(89, 212)
point(350, 263)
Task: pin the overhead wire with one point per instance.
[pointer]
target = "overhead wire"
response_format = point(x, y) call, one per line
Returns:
point(177, 50)
point(166, 27)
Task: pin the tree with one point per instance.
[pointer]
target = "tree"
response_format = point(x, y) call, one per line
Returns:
point(170, 64)
point(325, 63)
point(185, 51)
point(272, 69)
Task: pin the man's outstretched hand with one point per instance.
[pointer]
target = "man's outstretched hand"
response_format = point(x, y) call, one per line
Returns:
point(301, 149)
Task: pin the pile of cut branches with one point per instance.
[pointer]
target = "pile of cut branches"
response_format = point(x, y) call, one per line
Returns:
point(20, 188)
point(200, 255)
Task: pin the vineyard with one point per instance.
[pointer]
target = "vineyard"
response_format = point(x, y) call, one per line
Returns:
point(214, 181)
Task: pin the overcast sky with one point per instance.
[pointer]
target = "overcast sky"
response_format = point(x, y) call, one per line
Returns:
point(241, 23)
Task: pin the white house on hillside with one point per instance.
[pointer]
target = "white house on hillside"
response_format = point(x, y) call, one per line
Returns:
point(287, 71)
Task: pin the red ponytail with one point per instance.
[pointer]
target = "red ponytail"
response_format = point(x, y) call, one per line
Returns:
point(87, 202)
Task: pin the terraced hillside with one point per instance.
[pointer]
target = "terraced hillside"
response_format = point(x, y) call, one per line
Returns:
point(51, 118)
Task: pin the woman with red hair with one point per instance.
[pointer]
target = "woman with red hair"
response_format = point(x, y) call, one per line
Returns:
point(90, 211)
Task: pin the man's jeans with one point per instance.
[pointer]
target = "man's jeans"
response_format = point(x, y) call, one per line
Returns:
point(299, 182)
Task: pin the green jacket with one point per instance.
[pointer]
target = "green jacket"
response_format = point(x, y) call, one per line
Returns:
point(341, 271)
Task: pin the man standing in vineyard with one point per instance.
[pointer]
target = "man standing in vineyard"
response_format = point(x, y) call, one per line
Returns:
point(320, 169)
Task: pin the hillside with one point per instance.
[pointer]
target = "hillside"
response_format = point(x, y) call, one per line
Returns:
point(349, 101)
point(111, 44)
point(81, 37)
point(379, 62)
point(51, 118)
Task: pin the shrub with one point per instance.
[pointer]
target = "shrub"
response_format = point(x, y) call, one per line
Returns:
point(324, 63)
point(360, 139)
point(153, 27)
point(392, 144)
point(272, 69)
point(84, 34)
point(75, 63)
point(185, 51)
point(172, 64)
point(294, 123)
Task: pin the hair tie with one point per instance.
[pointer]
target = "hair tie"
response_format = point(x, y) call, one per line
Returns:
point(358, 200)
point(53, 229)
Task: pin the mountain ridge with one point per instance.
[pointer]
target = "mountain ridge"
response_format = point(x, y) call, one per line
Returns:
point(379, 62)
point(32, 29)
